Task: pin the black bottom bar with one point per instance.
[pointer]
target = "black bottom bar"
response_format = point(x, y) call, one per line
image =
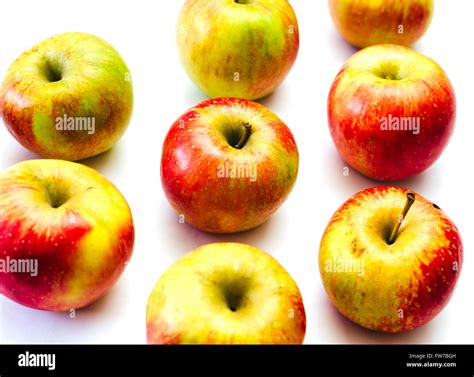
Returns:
point(318, 360)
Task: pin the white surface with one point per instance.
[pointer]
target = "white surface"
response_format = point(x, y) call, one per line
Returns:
point(144, 33)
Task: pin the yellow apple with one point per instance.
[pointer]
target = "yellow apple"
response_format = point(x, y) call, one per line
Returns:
point(226, 293)
point(390, 259)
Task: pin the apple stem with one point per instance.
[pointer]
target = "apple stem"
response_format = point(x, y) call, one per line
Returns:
point(408, 204)
point(245, 135)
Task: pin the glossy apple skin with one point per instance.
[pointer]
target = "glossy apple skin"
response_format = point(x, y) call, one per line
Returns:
point(81, 247)
point(360, 99)
point(404, 285)
point(188, 304)
point(196, 147)
point(95, 84)
point(218, 39)
point(371, 22)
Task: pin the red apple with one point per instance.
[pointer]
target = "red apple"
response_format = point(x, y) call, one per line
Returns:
point(391, 112)
point(370, 22)
point(390, 259)
point(228, 164)
point(66, 234)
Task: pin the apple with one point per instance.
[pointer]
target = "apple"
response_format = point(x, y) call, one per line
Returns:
point(69, 97)
point(228, 164)
point(370, 22)
point(389, 259)
point(226, 293)
point(391, 112)
point(237, 48)
point(66, 234)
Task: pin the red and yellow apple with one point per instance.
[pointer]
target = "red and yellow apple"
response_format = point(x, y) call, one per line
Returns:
point(69, 97)
point(72, 223)
point(369, 22)
point(226, 293)
point(391, 112)
point(237, 48)
point(227, 164)
point(390, 259)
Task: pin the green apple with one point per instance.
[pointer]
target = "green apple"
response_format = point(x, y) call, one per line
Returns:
point(226, 293)
point(69, 97)
point(390, 259)
point(67, 227)
point(237, 48)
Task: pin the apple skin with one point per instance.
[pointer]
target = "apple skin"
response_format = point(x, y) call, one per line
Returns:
point(226, 293)
point(403, 285)
point(197, 146)
point(74, 222)
point(360, 98)
point(218, 39)
point(95, 83)
point(371, 22)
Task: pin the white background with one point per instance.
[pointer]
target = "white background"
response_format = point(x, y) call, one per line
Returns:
point(144, 33)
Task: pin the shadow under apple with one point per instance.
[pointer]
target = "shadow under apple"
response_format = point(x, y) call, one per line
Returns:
point(342, 49)
point(192, 96)
point(277, 99)
point(27, 325)
point(14, 153)
point(348, 181)
point(103, 162)
point(183, 237)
